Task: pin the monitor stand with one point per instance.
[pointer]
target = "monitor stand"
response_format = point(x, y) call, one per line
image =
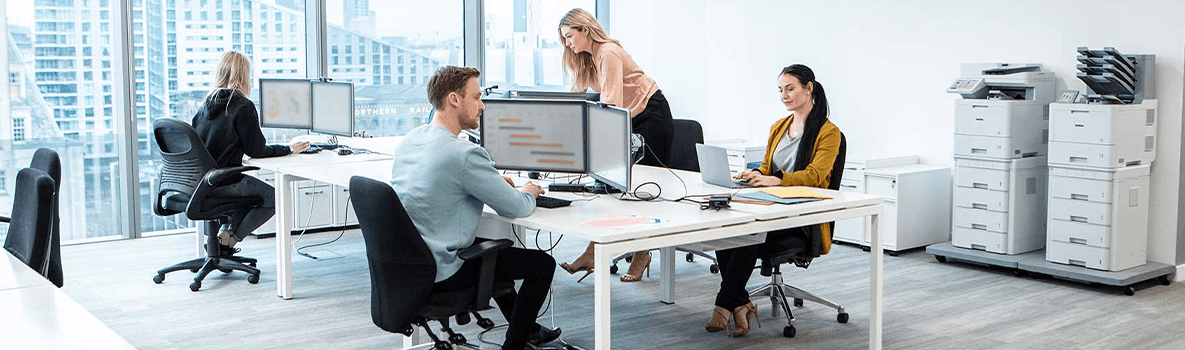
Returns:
point(601, 188)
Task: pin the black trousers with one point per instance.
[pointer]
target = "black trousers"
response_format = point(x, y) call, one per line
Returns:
point(534, 267)
point(243, 222)
point(736, 265)
point(657, 127)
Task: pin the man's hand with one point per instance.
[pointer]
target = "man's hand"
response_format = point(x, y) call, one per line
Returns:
point(298, 147)
point(508, 180)
point(533, 189)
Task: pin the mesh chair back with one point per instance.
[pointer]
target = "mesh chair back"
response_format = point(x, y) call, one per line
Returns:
point(687, 134)
point(47, 161)
point(31, 228)
point(402, 269)
point(185, 161)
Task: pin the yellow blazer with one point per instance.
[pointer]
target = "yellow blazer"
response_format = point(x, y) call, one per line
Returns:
point(818, 173)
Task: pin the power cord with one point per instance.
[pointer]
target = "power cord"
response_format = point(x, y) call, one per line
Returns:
point(305, 228)
point(339, 236)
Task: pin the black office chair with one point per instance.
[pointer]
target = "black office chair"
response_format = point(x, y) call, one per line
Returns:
point(186, 180)
point(683, 157)
point(802, 250)
point(30, 228)
point(403, 271)
point(47, 160)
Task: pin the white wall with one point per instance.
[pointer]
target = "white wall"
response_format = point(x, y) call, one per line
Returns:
point(885, 66)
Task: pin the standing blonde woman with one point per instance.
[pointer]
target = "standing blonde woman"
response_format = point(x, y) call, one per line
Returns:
point(596, 61)
point(228, 124)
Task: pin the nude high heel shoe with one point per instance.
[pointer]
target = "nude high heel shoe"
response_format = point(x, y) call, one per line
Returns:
point(582, 263)
point(741, 317)
point(639, 264)
point(719, 320)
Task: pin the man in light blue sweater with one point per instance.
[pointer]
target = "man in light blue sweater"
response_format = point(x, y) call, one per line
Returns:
point(444, 182)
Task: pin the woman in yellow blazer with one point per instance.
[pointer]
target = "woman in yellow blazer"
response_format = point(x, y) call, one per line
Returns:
point(801, 151)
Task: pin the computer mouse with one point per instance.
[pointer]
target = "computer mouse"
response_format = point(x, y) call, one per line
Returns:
point(342, 151)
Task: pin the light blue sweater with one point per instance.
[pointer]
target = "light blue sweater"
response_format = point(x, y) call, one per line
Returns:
point(443, 183)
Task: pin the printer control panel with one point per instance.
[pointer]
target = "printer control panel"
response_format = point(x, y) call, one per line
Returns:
point(966, 86)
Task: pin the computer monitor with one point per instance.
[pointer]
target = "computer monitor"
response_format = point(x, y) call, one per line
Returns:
point(286, 103)
point(535, 135)
point(608, 140)
point(333, 108)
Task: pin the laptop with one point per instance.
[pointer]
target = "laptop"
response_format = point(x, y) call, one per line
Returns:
point(713, 167)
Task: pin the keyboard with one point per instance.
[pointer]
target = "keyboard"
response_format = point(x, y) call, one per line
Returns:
point(324, 146)
point(311, 150)
point(551, 202)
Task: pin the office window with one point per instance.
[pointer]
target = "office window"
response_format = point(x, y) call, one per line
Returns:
point(522, 48)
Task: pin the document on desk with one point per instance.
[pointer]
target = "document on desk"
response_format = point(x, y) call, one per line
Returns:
point(763, 196)
point(793, 192)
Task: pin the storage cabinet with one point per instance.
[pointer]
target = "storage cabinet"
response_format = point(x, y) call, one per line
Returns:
point(315, 206)
point(740, 154)
point(853, 230)
point(917, 205)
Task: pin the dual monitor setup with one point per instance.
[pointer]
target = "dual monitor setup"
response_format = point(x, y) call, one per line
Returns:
point(319, 105)
point(559, 132)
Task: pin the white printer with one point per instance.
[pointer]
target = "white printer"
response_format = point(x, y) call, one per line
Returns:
point(1004, 109)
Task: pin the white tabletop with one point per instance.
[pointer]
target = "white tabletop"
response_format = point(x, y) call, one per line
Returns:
point(46, 318)
point(15, 274)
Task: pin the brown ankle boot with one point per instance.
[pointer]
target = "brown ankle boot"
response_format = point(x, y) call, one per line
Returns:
point(719, 320)
point(741, 315)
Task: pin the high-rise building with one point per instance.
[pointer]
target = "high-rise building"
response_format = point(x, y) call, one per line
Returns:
point(357, 17)
point(176, 48)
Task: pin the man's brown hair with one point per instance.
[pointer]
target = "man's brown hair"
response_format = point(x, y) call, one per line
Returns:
point(449, 79)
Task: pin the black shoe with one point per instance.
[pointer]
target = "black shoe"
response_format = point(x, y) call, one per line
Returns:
point(543, 335)
point(225, 250)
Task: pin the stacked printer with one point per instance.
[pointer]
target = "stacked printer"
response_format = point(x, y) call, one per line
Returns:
point(1000, 143)
point(1100, 156)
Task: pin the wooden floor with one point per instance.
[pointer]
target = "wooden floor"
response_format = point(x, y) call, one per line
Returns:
point(928, 305)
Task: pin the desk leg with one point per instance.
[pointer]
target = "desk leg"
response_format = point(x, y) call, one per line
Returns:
point(877, 256)
point(601, 256)
point(283, 235)
point(668, 274)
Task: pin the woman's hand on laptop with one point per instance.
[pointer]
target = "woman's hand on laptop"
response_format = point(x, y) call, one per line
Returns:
point(754, 178)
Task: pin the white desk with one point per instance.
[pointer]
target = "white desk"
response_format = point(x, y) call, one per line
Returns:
point(677, 224)
point(37, 315)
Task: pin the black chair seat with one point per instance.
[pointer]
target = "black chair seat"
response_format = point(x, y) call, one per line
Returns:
point(176, 201)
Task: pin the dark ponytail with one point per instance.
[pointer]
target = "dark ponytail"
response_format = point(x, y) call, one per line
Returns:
point(814, 120)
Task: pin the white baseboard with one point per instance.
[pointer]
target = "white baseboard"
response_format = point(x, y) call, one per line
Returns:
point(1180, 273)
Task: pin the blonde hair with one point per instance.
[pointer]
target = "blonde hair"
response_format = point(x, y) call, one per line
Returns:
point(581, 66)
point(234, 72)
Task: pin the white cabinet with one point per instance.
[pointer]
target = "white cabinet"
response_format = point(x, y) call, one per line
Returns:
point(739, 153)
point(343, 214)
point(316, 206)
point(1098, 219)
point(917, 204)
point(853, 230)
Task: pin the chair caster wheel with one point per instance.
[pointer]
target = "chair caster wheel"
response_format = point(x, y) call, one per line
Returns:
point(797, 302)
point(158, 279)
point(788, 332)
point(252, 264)
point(842, 318)
point(485, 323)
point(443, 345)
point(714, 268)
point(194, 270)
point(253, 279)
point(940, 258)
point(690, 257)
point(457, 339)
point(613, 269)
point(193, 287)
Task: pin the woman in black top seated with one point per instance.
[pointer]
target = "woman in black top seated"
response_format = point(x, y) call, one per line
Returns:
point(228, 124)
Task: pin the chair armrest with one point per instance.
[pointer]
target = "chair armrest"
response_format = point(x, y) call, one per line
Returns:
point(488, 252)
point(226, 176)
point(5, 219)
point(484, 248)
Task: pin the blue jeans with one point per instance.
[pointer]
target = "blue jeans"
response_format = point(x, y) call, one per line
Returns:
point(243, 222)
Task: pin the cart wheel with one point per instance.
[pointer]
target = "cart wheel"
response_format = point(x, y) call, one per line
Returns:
point(797, 302)
point(842, 318)
point(788, 332)
point(940, 258)
point(158, 279)
point(690, 257)
point(714, 268)
point(1165, 280)
point(892, 253)
point(613, 269)
point(1129, 291)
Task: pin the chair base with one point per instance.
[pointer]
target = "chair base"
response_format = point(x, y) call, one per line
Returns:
point(205, 265)
point(779, 292)
point(714, 268)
